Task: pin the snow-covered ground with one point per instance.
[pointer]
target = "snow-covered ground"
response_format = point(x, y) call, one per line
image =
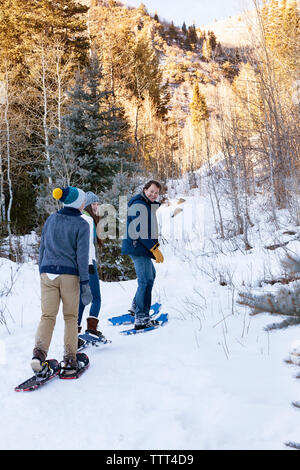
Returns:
point(211, 379)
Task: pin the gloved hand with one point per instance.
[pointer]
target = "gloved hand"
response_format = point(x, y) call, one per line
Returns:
point(91, 269)
point(86, 294)
point(157, 254)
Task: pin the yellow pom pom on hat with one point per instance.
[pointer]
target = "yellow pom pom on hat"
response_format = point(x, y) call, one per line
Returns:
point(70, 196)
point(57, 193)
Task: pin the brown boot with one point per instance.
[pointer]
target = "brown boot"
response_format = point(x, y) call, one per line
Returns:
point(68, 368)
point(92, 324)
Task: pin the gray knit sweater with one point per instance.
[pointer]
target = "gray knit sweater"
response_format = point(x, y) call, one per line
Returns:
point(64, 247)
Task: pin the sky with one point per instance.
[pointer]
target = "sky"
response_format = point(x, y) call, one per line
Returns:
point(200, 12)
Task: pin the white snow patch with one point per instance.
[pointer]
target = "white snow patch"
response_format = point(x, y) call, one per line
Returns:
point(211, 379)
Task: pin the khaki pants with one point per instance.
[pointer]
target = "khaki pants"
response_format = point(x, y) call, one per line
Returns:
point(66, 288)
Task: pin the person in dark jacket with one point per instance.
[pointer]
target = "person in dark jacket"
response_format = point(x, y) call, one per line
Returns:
point(63, 266)
point(141, 244)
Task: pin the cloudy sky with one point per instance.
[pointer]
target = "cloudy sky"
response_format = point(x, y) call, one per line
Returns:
point(200, 12)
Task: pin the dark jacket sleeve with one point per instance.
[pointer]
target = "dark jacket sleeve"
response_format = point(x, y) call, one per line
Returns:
point(149, 243)
point(147, 238)
point(83, 251)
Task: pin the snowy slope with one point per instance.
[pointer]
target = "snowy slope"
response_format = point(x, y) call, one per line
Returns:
point(211, 379)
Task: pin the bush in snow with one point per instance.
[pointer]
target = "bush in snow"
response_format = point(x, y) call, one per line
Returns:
point(285, 302)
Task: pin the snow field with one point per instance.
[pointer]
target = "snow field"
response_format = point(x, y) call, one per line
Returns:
point(210, 379)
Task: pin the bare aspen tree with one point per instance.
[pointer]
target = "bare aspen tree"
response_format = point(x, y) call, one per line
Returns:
point(59, 53)
point(231, 160)
point(212, 186)
point(2, 196)
point(45, 113)
point(8, 157)
point(276, 65)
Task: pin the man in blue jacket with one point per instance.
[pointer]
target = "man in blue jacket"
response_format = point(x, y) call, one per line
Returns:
point(141, 244)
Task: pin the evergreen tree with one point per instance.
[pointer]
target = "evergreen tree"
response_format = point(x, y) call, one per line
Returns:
point(144, 72)
point(114, 266)
point(186, 43)
point(198, 108)
point(192, 35)
point(65, 22)
point(91, 147)
point(229, 70)
point(283, 16)
point(172, 32)
point(184, 28)
point(29, 33)
point(12, 30)
point(61, 21)
point(130, 60)
point(207, 49)
point(107, 150)
point(212, 40)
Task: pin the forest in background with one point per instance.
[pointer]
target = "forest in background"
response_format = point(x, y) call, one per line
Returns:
point(101, 96)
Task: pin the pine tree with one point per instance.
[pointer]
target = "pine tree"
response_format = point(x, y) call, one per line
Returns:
point(107, 149)
point(172, 32)
point(291, 28)
point(229, 70)
point(207, 50)
point(283, 16)
point(13, 26)
point(130, 60)
point(198, 108)
point(192, 35)
point(114, 266)
point(61, 21)
point(212, 40)
point(65, 22)
point(91, 147)
point(144, 72)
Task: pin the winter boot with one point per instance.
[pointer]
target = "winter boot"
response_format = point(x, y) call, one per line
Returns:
point(68, 369)
point(132, 309)
point(72, 369)
point(40, 368)
point(92, 323)
point(149, 324)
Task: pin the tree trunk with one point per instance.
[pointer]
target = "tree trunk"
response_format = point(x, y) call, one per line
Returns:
point(2, 197)
point(45, 115)
point(8, 156)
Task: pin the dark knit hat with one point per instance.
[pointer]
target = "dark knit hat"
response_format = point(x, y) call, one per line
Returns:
point(70, 196)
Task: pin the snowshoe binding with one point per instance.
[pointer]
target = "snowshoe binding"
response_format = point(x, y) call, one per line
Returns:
point(44, 371)
point(74, 369)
